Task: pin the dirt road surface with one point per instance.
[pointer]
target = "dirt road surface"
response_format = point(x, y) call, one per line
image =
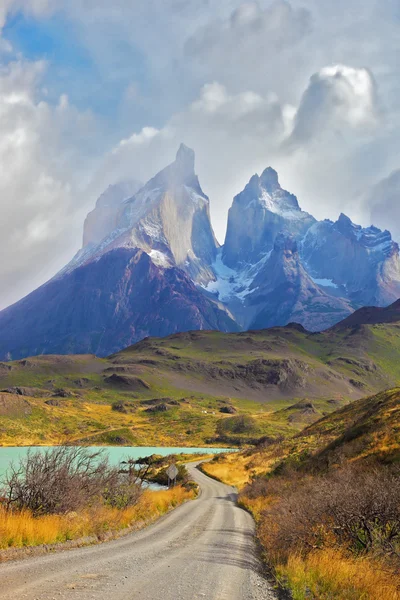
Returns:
point(203, 550)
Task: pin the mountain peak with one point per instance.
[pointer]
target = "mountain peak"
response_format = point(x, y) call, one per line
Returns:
point(180, 172)
point(344, 219)
point(269, 180)
point(186, 157)
point(258, 214)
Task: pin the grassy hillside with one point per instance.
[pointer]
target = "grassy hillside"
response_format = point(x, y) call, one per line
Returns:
point(367, 429)
point(179, 389)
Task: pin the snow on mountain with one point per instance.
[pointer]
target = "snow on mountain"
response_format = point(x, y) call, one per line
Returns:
point(325, 282)
point(231, 283)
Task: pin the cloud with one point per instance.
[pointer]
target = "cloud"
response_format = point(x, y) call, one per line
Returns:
point(337, 96)
point(250, 28)
point(249, 48)
point(41, 175)
point(32, 7)
point(233, 135)
point(237, 134)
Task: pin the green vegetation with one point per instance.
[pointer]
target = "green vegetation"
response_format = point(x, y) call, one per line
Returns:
point(177, 390)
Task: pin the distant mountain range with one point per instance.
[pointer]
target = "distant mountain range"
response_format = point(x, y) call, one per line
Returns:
point(151, 266)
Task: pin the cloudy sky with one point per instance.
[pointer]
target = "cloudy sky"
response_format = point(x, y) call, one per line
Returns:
point(93, 91)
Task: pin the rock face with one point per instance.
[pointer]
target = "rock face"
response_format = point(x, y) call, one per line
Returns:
point(258, 215)
point(107, 305)
point(150, 266)
point(169, 218)
point(284, 293)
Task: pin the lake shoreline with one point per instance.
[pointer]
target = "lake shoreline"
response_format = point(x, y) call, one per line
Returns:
point(116, 454)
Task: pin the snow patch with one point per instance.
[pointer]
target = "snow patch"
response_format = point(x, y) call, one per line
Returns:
point(153, 230)
point(280, 203)
point(325, 282)
point(160, 259)
point(230, 283)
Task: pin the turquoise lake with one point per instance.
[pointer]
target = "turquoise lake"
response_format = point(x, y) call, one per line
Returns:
point(116, 454)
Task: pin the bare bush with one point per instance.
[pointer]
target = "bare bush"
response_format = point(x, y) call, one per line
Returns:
point(122, 492)
point(65, 479)
point(357, 508)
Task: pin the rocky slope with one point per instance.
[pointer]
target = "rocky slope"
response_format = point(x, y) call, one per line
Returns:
point(283, 292)
point(105, 305)
point(372, 315)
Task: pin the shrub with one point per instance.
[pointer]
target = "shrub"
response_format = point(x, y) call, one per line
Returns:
point(161, 476)
point(241, 424)
point(120, 407)
point(354, 508)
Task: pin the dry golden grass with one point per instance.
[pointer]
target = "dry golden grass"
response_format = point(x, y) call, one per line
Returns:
point(327, 575)
point(368, 428)
point(228, 472)
point(238, 469)
point(254, 505)
point(21, 529)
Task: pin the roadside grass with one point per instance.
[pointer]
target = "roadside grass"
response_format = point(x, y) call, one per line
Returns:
point(21, 529)
point(328, 575)
point(228, 470)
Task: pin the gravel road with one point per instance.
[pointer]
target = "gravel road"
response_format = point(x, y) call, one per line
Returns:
point(202, 550)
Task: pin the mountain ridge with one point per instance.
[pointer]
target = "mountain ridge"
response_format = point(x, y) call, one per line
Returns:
point(278, 265)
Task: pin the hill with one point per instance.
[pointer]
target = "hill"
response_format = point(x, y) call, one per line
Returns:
point(326, 501)
point(372, 315)
point(176, 390)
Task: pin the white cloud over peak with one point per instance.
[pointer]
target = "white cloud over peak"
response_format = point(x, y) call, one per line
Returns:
point(337, 96)
point(237, 134)
point(232, 134)
point(383, 202)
